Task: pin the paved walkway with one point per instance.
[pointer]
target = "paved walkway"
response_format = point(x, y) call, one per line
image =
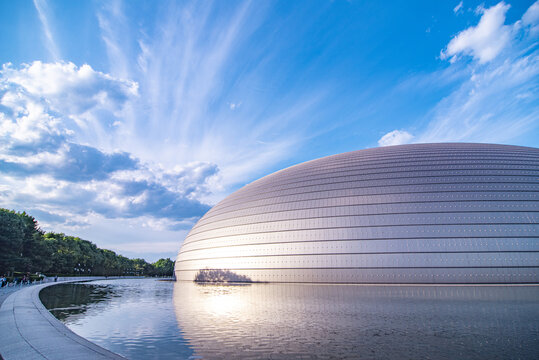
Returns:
point(6, 291)
point(29, 331)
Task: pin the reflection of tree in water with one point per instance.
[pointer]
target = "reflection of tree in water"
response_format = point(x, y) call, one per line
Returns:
point(220, 276)
point(64, 300)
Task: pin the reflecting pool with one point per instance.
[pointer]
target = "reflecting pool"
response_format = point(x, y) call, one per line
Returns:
point(145, 319)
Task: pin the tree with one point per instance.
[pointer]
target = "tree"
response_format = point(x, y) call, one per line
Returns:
point(21, 243)
point(25, 247)
point(11, 240)
point(163, 267)
point(35, 253)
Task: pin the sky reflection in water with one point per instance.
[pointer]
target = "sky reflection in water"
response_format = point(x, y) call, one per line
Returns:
point(145, 319)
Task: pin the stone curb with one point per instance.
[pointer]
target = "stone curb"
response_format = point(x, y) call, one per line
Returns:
point(29, 331)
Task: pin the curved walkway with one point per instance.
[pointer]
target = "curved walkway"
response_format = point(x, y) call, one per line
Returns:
point(29, 331)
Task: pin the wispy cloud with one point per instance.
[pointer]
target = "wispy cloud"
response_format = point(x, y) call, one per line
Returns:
point(116, 36)
point(531, 19)
point(234, 106)
point(497, 99)
point(457, 9)
point(151, 142)
point(43, 12)
point(190, 70)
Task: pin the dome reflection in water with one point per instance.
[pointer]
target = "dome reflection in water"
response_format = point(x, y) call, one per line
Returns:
point(339, 321)
point(148, 319)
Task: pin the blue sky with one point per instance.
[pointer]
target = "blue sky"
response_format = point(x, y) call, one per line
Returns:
point(124, 122)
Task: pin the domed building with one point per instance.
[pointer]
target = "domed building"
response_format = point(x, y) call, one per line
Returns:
point(422, 213)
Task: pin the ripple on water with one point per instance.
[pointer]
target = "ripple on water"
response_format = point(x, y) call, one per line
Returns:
point(148, 319)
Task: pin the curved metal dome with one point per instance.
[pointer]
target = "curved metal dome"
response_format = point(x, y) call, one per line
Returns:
point(423, 213)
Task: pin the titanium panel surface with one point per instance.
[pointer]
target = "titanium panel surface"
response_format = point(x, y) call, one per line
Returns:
point(422, 213)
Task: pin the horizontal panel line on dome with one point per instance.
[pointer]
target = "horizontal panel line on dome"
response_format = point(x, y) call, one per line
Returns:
point(413, 155)
point(255, 195)
point(378, 191)
point(374, 268)
point(189, 241)
point(395, 181)
point(299, 170)
point(220, 209)
point(363, 253)
point(253, 204)
point(471, 282)
point(360, 155)
point(426, 239)
point(357, 156)
point(278, 192)
point(409, 162)
point(239, 209)
point(452, 146)
point(413, 158)
point(354, 165)
point(369, 175)
point(393, 170)
point(379, 204)
point(447, 154)
point(285, 180)
point(415, 149)
point(389, 152)
point(380, 183)
point(386, 226)
point(422, 238)
point(454, 229)
point(193, 232)
point(274, 222)
point(485, 200)
point(234, 215)
point(248, 198)
point(279, 179)
point(450, 150)
point(401, 180)
point(364, 240)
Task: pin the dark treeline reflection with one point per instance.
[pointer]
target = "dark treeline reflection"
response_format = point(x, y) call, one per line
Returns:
point(70, 300)
point(328, 321)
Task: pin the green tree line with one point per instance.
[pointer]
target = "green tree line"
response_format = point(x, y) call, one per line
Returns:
point(24, 247)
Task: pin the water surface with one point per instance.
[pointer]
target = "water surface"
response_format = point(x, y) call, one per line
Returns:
point(145, 319)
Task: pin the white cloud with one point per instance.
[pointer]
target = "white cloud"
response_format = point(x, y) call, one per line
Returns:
point(458, 8)
point(58, 155)
point(84, 87)
point(395, 137)
point(531, 18)
point(187, 72)
point(234, 106)
point(44, 14)
point(494, 101)
point(63, 100)
point(152, 138)
point(486, 40)
point(115, 35)
point(494, 104)
point(489, 107)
